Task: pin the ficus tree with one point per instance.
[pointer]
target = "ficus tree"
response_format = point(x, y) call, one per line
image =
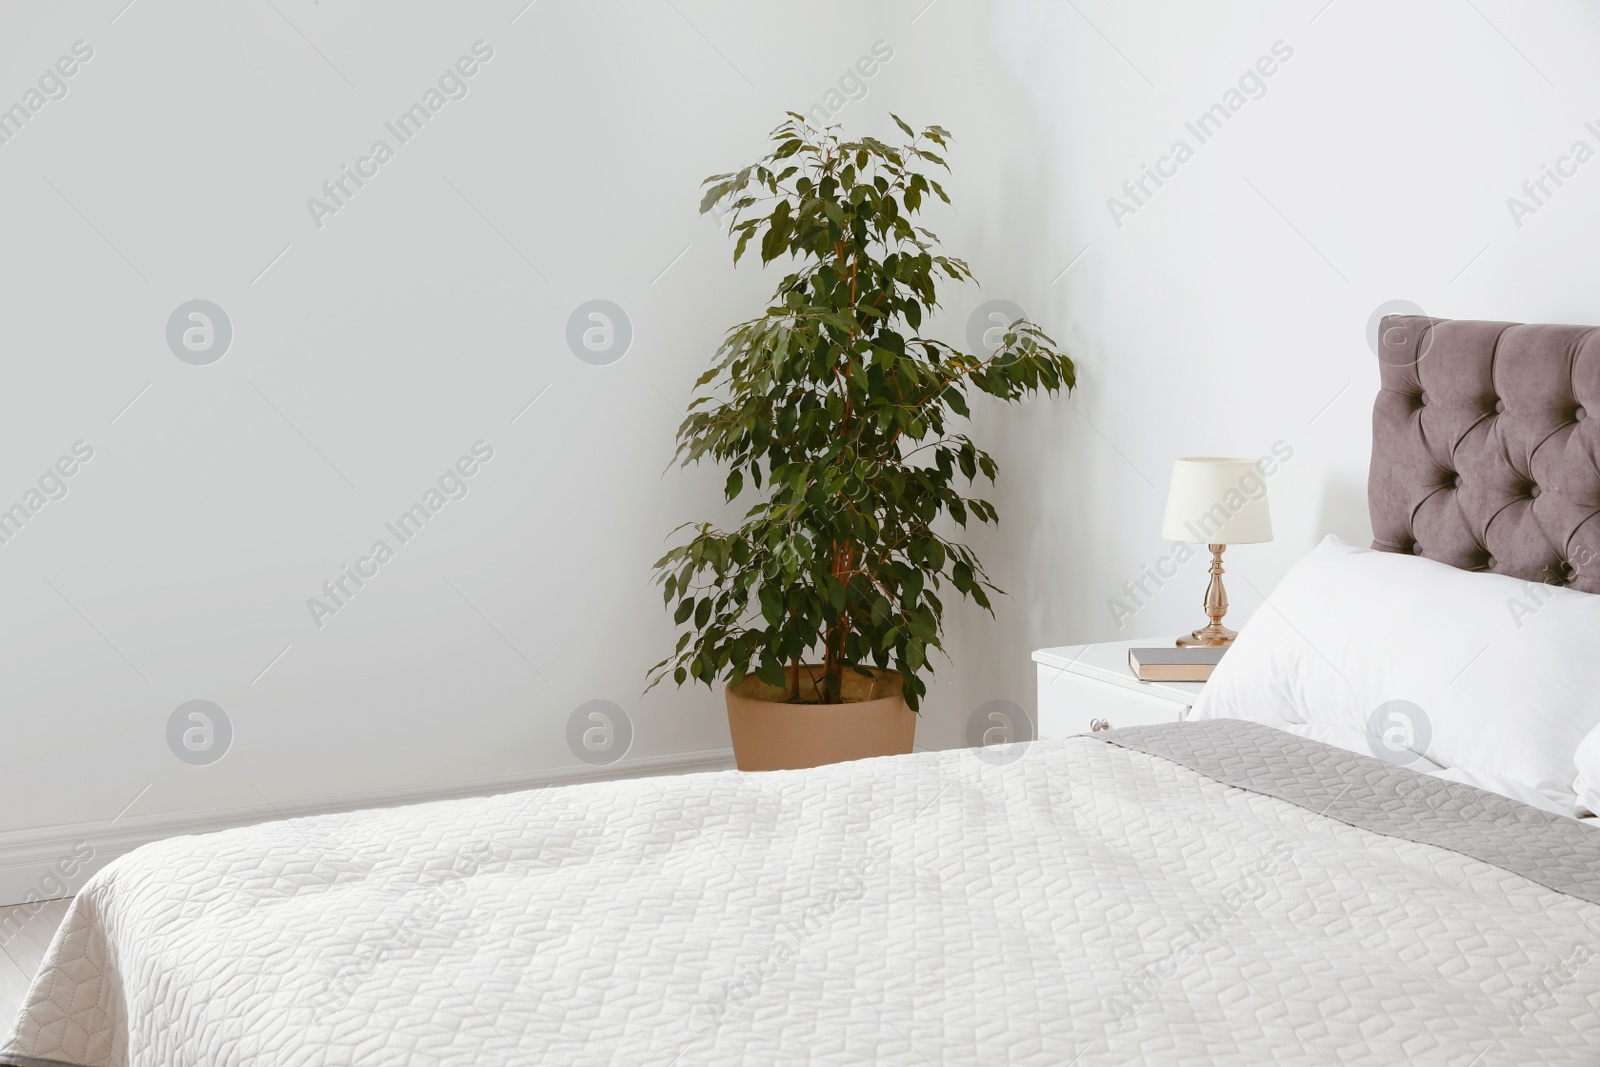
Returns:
point(841, 421)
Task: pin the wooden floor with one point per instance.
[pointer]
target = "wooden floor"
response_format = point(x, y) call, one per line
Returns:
point(20, 956)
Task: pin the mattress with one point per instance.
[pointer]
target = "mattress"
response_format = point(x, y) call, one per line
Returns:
point(1213, 892)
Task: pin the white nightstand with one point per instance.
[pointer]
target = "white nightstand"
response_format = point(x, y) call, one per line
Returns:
point(1084, 688)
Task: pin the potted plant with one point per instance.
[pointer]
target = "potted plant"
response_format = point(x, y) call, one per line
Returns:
point(821, 611)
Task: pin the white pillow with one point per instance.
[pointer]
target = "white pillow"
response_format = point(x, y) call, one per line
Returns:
point(1482, 672)
point(1587, 784)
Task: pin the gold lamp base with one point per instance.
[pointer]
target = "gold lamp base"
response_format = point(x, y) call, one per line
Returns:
point(1214, 634)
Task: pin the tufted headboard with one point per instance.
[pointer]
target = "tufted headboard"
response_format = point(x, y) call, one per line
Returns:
point(1486, 447)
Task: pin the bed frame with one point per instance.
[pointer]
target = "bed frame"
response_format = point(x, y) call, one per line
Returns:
point(1486, 447)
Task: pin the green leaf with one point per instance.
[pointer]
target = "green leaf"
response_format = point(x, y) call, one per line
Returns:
point(961, 575)
point(771, 605)
point(772, 673)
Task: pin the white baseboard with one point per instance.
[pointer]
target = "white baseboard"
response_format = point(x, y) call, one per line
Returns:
point(49, 862)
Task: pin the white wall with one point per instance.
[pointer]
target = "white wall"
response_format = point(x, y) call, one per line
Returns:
point(1226, 314)
point(1230, 311)
point(364, 362)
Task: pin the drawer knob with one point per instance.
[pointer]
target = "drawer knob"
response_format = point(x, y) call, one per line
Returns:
point(1096, 725)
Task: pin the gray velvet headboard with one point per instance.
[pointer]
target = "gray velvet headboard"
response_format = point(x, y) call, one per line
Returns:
point(1485, 443)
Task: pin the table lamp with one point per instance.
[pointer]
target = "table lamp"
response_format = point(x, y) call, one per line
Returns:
point(1219, 502)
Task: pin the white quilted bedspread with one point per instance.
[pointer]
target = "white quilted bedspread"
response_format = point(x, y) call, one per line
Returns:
point(1084, 903)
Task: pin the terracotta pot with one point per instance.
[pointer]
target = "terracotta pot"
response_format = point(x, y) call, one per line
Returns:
point(771, 734)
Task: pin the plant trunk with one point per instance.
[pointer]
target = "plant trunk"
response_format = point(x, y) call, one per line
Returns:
point(842, 567)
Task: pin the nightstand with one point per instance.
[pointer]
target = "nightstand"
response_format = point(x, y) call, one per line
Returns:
point(1085, 688)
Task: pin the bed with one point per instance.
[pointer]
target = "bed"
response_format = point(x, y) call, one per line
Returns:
point(1215, 891)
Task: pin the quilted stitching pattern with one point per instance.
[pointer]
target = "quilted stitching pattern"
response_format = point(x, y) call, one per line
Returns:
point(1084, 903)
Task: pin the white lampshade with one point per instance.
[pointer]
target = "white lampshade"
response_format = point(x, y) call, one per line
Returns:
point(1217, 501)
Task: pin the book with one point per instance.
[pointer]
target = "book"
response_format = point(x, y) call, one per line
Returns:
point(1174, 664)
